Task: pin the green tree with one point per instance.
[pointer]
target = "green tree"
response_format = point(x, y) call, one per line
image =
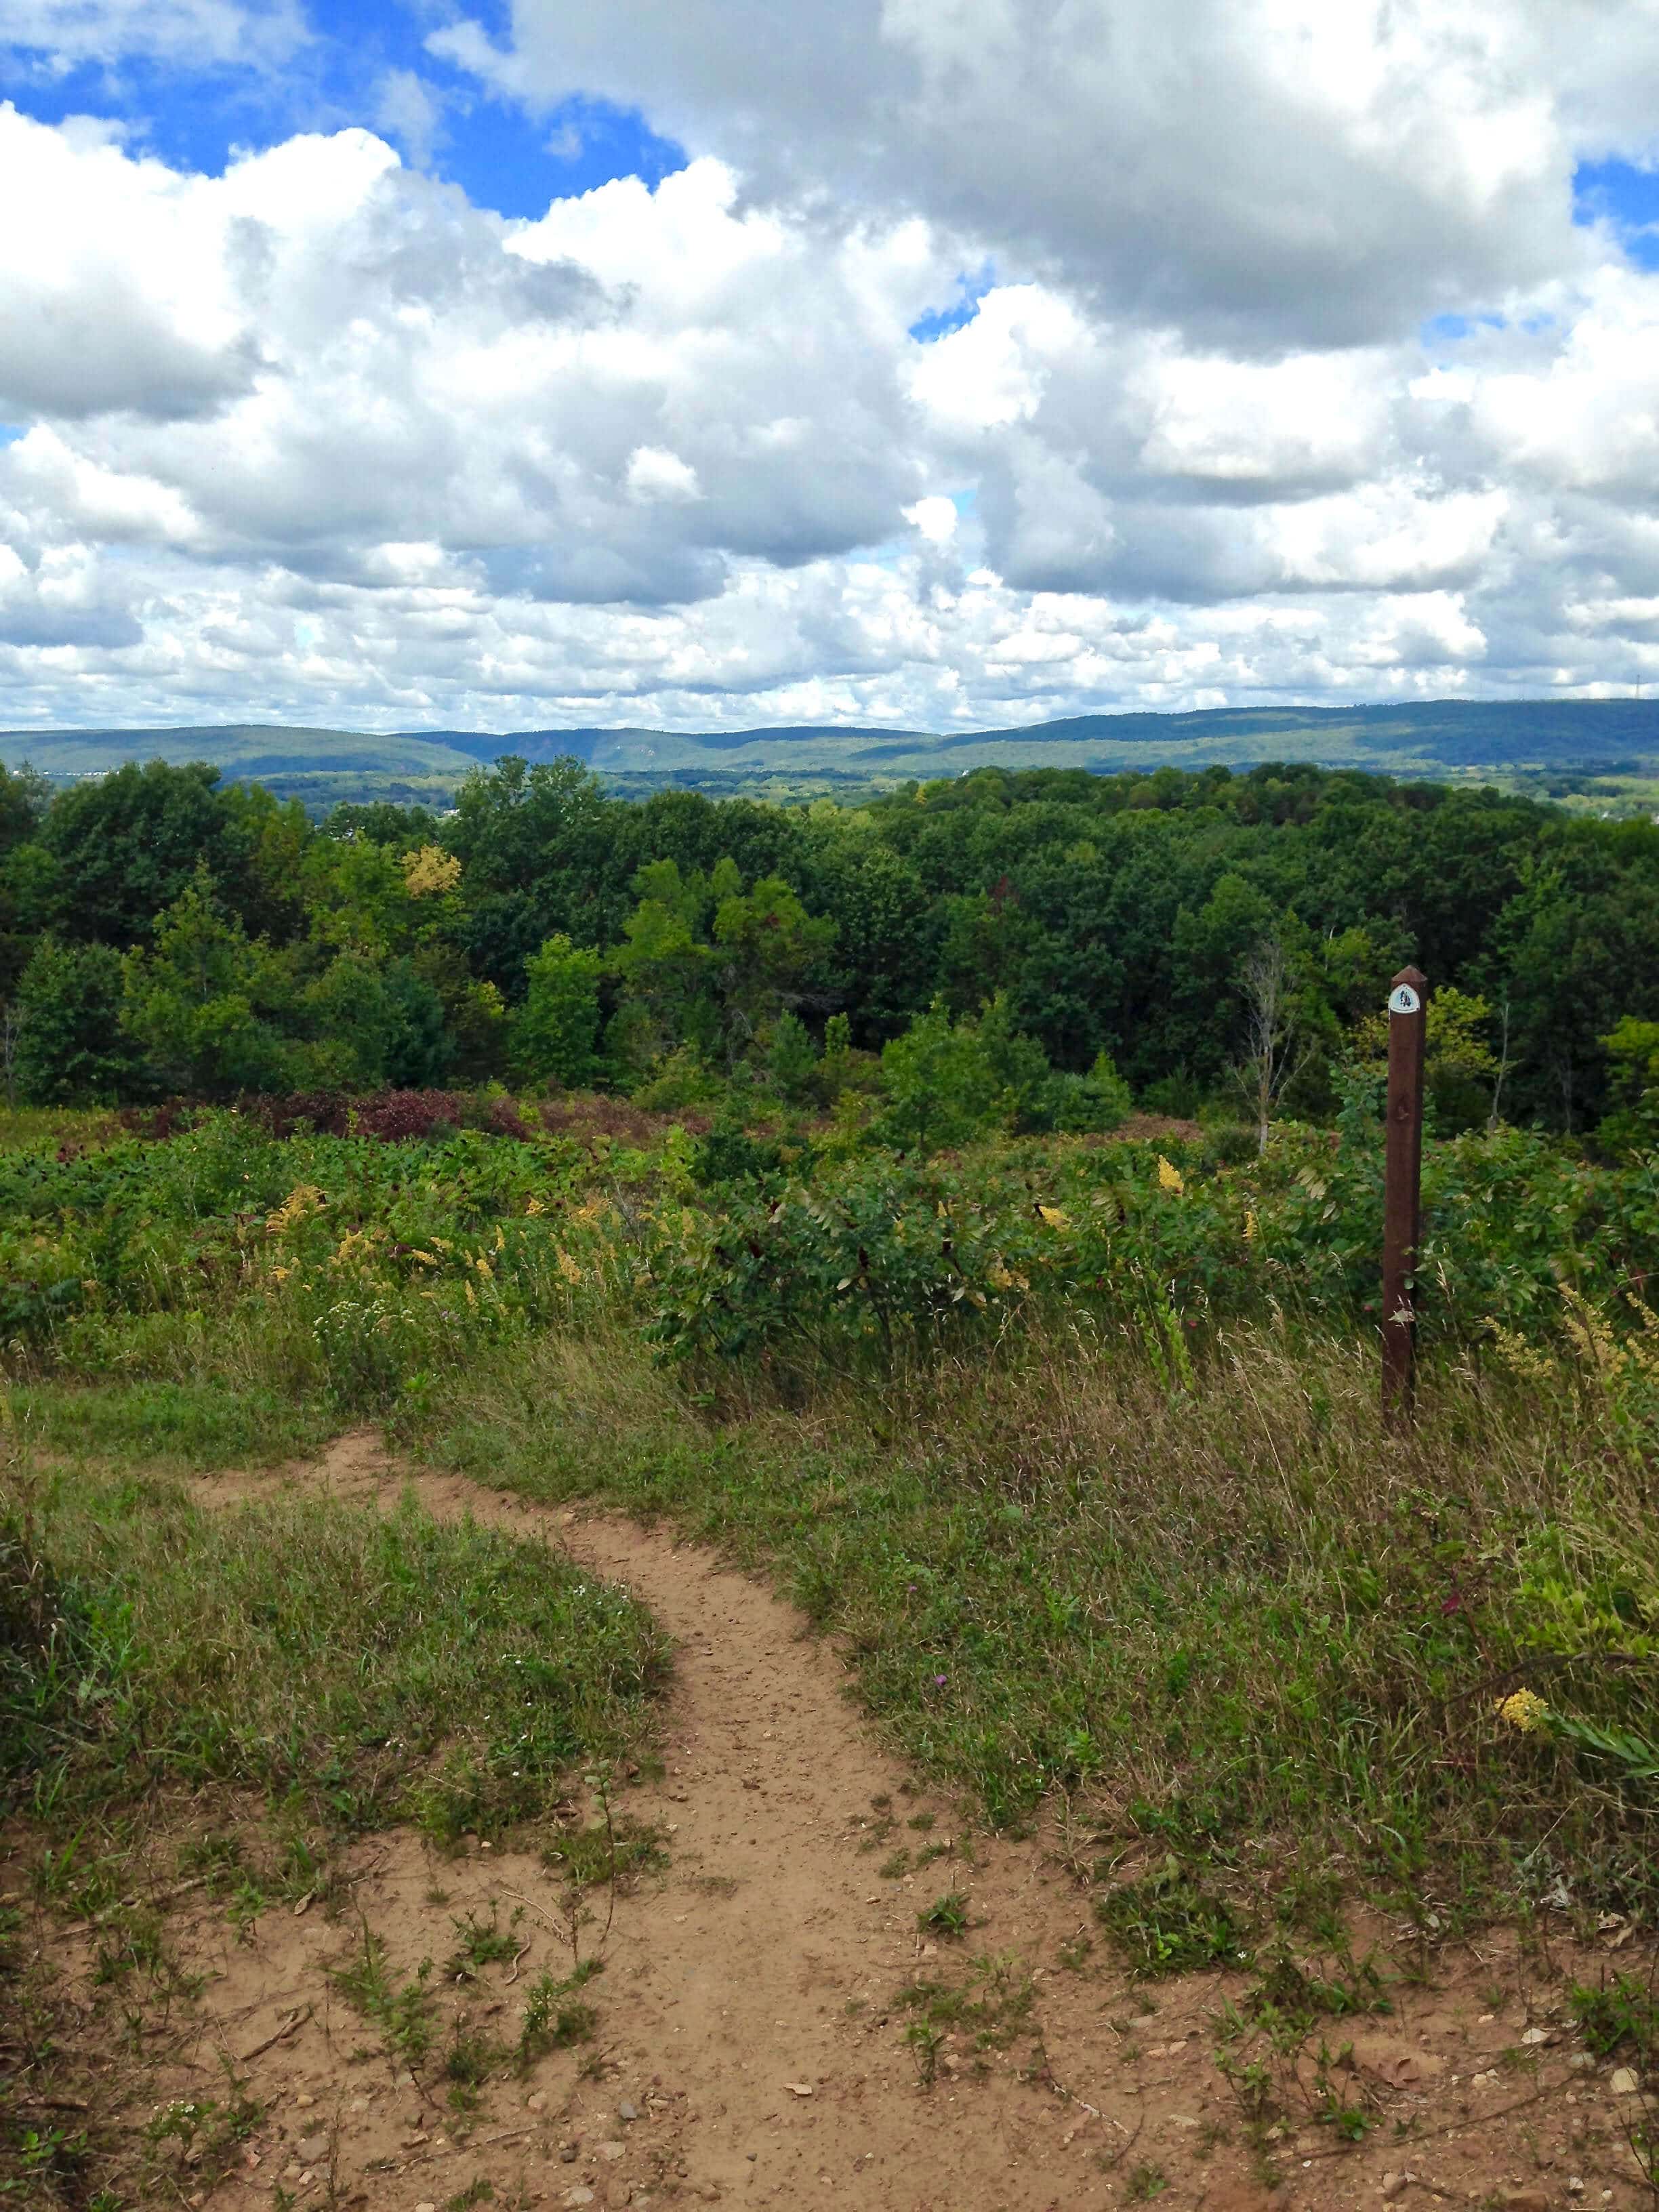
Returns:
point(769, 946)
point(553, 1036)
point(70, 1047)
point(1633, 1050)
point(666, 970)
point(941, 1087)
point(127, 845)
point(201, 1004)
point(791, 1060)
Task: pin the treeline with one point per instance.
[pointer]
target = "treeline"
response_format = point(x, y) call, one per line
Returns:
point(1016, 942)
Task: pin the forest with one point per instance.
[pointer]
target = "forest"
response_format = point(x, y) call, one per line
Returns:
point(1035, 947)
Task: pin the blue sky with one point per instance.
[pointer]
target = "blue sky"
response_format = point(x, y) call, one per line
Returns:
point(503, 155)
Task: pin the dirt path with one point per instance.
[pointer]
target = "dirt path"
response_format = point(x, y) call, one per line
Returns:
point(749, 2021)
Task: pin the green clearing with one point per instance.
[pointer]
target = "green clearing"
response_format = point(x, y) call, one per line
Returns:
point(1073, 1441)
point(1077, 1442)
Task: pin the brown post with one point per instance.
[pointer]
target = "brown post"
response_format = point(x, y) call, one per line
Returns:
point(1400, 1199)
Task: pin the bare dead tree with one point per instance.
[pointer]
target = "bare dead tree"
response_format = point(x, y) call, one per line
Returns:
point(1274, 1049)
point(1504, 1064)
point(11, 1028)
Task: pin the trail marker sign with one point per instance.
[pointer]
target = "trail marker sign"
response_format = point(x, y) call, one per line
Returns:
point(1402, 1192)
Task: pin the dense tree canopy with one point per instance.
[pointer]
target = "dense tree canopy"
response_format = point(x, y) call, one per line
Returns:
point(546, 930)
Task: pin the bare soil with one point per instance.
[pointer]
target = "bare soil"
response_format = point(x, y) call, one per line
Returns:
point(752, 2046)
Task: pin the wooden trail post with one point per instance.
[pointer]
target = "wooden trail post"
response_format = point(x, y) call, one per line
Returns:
point(1402, 1204)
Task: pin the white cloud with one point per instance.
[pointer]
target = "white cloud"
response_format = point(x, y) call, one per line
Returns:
point(64, 33)
point(655, 474)
point(318, 440)
point(1272, 170)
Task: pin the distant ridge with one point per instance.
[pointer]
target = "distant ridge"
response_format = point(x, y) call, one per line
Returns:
point(1432, 737)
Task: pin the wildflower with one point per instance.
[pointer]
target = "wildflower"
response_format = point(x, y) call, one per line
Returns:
point(304, 1198)
point(1250, 1225)
point(1055, 1216)
point(1169, 1177)
point(426, 1258)
point(484, 1268)
point(568, 1269)
point(939, 1682)
point(1524, 1710)
point(281, 1274)
point(532, 1204)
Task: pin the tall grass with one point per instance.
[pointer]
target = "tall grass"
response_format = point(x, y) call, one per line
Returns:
point(1218, 1609)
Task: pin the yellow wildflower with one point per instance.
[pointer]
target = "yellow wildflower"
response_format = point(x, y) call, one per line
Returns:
point(1055, 1216)
point(471, 1299)
point(426, 1258)
point(532, 1204)
point(1524, 1710)
point(484, 1268)
point(1168, 1176)
point(568, 1269)
point(304, 1198)
point(281, 1274)
point(501, 1238)
point(1249, 1225)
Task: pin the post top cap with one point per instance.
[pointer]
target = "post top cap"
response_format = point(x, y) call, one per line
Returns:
point(1412, 975)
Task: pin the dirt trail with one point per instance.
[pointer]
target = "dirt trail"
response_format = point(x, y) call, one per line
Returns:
point(766, 1961)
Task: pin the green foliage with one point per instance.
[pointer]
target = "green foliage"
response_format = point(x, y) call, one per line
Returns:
point(792, 1061)
point(70, 1048)
point(401, 2007)
point(941, 1084)
point(553, 2017)
point(1097, 915)
point(1632, 1050)
point(1169, 1922)
point(554, 1034)
point(366, 1668)
point(205, 1005)
point(1622, 2014)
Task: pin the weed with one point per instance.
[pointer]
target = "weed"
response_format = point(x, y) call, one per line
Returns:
point(1168, 1923)
point(476, 2192)
point(606, 1852)
point(402, 2011)
point(1622, 2014)
point(945, 1916)
point(554, 2018)
point(471, 2057)
point(1147, 2182)
point(991, 2009)
point(482, 1943)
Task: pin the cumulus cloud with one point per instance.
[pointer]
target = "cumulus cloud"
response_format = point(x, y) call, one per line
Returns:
point(1272, 171)
point(318, 439)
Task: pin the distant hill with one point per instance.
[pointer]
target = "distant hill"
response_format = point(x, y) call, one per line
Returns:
point(1437, 737)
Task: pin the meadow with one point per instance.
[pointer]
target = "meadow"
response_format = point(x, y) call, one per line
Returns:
point(1073, 1442)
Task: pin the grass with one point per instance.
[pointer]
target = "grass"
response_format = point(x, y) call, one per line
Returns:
point(361, 1667)
point(307, 1669)
point(1229, 1614)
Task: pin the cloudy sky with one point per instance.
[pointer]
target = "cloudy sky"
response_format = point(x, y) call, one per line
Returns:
point(949, 363)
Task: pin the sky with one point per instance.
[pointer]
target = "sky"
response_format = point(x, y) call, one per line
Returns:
point(699, 364)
